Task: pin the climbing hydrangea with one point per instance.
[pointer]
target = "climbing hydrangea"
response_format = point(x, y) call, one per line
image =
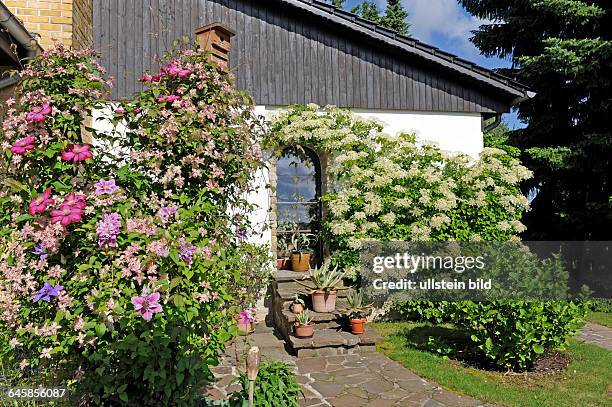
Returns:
point(386, 187)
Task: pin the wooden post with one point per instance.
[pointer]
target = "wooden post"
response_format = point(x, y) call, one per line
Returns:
point(252, 366)
point(216, 39)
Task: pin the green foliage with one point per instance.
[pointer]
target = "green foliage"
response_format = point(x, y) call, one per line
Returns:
point(356, 307)
point(396, 17)
point(304, 317)
point(499, 138)
point(562, 50)
point(324, 278)
point(275, 386)
point(506, 334)
point(512, 334)
point(368, 10)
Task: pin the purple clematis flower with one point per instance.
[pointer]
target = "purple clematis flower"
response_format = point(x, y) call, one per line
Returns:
point(106, 187)
point(47, 292)
point(38, 250)
point(147, 305)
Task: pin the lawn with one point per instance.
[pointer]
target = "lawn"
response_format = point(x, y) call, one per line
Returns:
point(601, 318)
point(586, 382)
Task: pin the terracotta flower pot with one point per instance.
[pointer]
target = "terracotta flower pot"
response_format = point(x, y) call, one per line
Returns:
point(283, 264)
point(297, 308)
point(300, 261)
point(245, 329)
point(324, 301)
point(303, 331)
point(358, 326)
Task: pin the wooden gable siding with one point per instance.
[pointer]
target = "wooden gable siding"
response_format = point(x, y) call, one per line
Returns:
point(282, 56)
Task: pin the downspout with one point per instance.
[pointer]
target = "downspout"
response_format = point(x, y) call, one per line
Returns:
point(10, 23)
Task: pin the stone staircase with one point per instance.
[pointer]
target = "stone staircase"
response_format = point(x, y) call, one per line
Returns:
point(332, 334)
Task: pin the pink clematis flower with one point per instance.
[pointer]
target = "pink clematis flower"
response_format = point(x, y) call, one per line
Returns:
point(74, 201)
point(147, 305)
point(38, 114)
point(39, 204)
point(66, 215)
point(77, 153)
point(183, 73)
point(23, 145)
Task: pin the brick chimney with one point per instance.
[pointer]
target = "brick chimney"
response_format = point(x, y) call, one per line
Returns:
point(216, 39)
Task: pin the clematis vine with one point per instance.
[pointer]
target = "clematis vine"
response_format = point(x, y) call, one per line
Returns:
point(23, 145)
point(147, 305)
point(47, 292)
point(40, 203)
point(38, 113)
point(77, 153)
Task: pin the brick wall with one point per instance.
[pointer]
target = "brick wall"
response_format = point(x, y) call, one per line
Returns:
point(65, 21)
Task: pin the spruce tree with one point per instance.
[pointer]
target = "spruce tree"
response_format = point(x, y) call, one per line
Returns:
point(395, 17)
point(368, 10)
point(338, 3)
point(561, 49)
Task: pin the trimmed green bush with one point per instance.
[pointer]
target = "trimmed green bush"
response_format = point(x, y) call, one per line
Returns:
point(511, 334)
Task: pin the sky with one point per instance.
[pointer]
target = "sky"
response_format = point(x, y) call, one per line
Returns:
point(446, 25)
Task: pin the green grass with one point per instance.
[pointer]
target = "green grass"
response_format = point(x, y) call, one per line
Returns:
point(587, 381)
point(601, 318)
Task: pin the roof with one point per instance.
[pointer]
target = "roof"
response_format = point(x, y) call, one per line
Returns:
point(411, 46)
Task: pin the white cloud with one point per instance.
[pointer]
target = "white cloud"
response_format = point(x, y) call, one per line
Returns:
point(441, 18)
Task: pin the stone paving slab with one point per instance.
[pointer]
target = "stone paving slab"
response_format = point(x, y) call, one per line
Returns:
point(352, 380)
point(597, 335)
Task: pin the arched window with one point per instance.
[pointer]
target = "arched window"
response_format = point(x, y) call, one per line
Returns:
point(298, 189)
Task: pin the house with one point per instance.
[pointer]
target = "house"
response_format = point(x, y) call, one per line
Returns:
point(285, 52)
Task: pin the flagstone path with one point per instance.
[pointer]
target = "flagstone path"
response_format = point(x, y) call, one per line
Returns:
point(353, 380)
point(597, 335)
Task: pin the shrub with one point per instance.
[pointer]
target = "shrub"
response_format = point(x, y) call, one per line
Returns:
point(122, 260)
point(275, 386)
point(511, 334)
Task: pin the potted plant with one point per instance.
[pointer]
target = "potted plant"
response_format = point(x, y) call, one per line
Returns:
point(357, 312)
point(326, 281)
point(303, 326)
point(283, 262)
point(297, 306)
point(300, 250)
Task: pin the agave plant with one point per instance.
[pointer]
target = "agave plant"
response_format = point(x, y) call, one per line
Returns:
point(324, 278)
point(356, 308)
point(304, 318)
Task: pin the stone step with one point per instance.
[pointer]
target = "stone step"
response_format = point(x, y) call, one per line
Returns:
point(281, 276)
point(332, 342)
point(341, 304)
point(321, 320)
point(288, 291)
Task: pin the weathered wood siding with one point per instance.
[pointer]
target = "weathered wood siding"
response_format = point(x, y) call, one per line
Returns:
point(282, 56)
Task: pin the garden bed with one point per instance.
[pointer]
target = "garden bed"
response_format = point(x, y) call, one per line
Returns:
point(583, 382)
